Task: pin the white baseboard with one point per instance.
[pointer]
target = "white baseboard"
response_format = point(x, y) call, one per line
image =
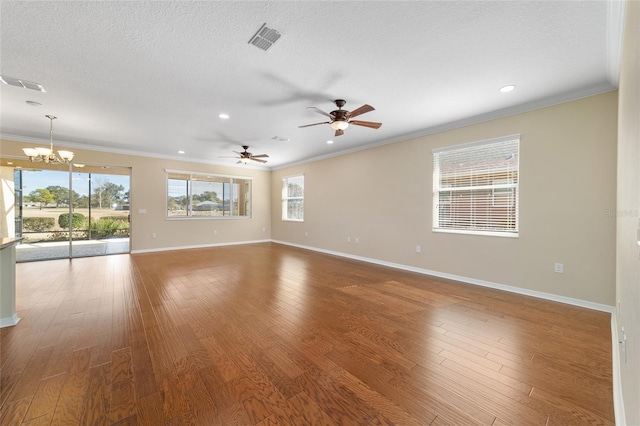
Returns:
point(618, 401)
point(617, 385)
point(9, 321)
point(232, 243)
point(504, 287)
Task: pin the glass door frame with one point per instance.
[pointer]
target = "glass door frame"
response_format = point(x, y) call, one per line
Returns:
point(120, 203)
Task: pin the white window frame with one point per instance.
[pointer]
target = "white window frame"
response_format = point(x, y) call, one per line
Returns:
point(286, 198)
point(234, 183)
point(503, 187)
point(485, 166)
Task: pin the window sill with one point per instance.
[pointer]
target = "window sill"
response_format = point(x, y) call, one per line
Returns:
point(484, 233)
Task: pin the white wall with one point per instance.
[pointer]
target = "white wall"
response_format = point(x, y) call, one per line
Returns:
point(628, 218)
point(383, 196)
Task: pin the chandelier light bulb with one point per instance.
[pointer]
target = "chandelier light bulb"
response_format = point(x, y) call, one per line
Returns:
point(47, 155)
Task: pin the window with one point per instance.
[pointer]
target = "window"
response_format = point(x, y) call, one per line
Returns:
point(197, 195)
point(293, 198)
point(475, 187)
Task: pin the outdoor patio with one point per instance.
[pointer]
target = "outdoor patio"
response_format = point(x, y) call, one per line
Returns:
point(27, 252)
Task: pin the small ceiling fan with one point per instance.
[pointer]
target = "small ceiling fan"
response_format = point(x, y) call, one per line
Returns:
point(341, 118)
point(246, 155)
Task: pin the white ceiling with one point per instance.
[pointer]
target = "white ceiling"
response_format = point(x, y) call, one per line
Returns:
point(152, 77)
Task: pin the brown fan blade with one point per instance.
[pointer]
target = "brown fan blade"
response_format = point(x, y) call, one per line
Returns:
point(339, 132)
point(364, 108)
point(319, 111)
point(314, 124)
point(259, 156)
point(258, 160)
point(370, 124)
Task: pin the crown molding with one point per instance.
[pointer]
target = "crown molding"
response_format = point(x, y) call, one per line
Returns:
point(481, 118)
point(122, 151)
point(616, 10)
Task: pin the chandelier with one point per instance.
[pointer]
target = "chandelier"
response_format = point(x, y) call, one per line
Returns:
point(46, 154)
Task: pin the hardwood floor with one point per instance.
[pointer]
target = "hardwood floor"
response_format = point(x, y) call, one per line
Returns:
point(267, 334)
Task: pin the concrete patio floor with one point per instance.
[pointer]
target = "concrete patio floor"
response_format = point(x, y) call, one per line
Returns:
point(27, 252)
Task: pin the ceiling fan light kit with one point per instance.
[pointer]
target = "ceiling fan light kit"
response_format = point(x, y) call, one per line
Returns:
point(340, 125)
point(341, 118)
point(245, 156)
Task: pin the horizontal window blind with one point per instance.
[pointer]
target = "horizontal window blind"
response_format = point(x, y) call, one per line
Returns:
point(476, 187)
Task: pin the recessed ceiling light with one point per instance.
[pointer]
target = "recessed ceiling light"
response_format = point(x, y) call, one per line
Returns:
point(10, 163)
point(223, 116)
point(181, 152)
point(507, 89)
point(34, 103)
point(329, 142)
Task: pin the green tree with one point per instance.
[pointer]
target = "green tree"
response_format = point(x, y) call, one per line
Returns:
point(81, 202)
point(107, 193)
point(60, 194)
point(178, 203)
point(75, 198)
point(42, 197)
point(206, 196)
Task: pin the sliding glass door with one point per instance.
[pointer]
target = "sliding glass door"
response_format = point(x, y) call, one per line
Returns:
point(101, 212)
point(77, 211)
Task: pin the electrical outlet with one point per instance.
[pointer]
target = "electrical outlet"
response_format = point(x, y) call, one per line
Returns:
point(215, 232)
point(348, 239)
point(558, 268)
point(357, 240)
point(153, 235)
point(306, 234)
point(418, 249)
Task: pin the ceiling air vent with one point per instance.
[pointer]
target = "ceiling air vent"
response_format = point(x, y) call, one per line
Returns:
point(21, 83)
point(265, 37)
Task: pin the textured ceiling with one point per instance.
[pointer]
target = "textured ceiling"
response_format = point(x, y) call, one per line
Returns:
point(152, 77)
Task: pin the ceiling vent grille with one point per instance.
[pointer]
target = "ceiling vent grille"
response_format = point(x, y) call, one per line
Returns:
point(21, 83)
point(265, 37)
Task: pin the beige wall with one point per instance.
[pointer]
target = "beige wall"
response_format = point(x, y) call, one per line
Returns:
point(628, 260)
point(148, 191)
point(383, 197)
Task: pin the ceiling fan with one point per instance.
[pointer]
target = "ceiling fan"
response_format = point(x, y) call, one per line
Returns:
point(246, 155)
point(341, 118)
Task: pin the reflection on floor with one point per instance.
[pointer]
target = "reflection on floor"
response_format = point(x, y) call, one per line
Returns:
point(27, 252)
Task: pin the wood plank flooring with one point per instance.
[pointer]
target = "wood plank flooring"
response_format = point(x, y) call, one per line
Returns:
point(266, 334)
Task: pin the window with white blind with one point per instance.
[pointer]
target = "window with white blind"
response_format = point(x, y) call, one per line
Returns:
point(293, 198)
point(475, 187)
point(199, 195)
